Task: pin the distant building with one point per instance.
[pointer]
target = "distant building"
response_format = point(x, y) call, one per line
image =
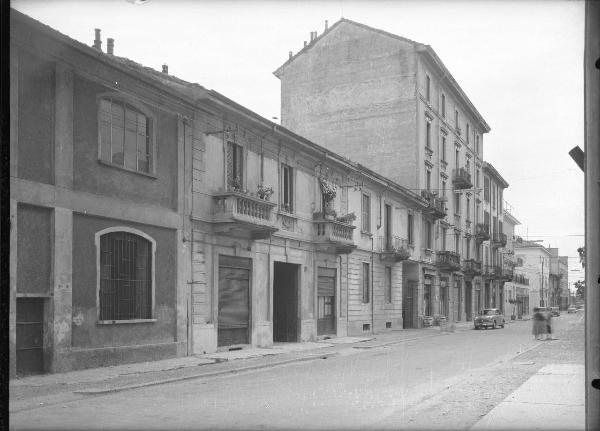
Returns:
point(559, 280)
point(516, 287)
point(536, 267)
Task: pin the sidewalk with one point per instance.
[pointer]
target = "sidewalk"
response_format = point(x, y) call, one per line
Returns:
point(553, 398)
point(30, 392)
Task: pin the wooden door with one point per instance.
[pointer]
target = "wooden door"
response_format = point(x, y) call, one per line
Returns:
point(326, 301)
point(234, 304)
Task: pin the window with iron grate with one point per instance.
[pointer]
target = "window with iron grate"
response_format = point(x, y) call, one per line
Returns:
point(125, 277)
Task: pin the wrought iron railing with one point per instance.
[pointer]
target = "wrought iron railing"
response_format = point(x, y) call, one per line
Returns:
point(482, 232)
point(461, 179)
point(393, 247)
point(448, 260)
point(471, 266)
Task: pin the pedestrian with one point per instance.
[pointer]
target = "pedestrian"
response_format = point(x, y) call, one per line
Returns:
point(548, 321)
point(539, 323)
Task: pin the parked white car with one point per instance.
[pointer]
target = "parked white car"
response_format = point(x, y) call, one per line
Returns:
point(489, 318)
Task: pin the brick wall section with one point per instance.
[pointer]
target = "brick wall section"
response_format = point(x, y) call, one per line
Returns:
point(354, 92)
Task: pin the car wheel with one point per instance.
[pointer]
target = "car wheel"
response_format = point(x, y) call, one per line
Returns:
point(494, 324)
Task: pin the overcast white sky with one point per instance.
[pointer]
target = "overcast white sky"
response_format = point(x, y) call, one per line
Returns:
point(520, 63)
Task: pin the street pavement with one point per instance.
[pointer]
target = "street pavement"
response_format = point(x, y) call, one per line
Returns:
point(384, 381)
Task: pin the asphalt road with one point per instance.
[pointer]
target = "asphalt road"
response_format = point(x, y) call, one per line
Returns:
point(444, 382)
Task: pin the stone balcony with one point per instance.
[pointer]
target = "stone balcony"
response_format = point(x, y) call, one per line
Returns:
point(242, 215)
point(436, 208)
point(498, 239)
point(472, 267)
point(333, 236)
point(448, 260)
point(482, 232)
point(461, 179)
point(393, 249)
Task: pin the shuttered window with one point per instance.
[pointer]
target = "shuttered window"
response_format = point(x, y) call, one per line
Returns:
point(235, 167)
point(388, 284)
point(366, 213)
point(287, 186)
point(365, 283)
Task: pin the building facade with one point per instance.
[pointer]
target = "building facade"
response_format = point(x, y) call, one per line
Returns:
point(391, 104)
point(535, 267)
point(96, 208)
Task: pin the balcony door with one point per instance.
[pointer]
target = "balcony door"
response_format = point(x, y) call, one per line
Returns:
point(326, 301)
point(387, 227)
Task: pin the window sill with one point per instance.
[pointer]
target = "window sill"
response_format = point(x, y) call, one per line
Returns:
point(117, 322)
point(122, 168)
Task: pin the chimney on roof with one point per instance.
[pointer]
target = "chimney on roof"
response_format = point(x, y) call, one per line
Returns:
point(326, 25)
point(312, 36)
point(97, 41)
point(290, 54)
point(110, 45)
point(165, 69)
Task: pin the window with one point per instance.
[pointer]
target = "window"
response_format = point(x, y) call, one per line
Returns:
point(477, 144)
point(468, 248)
point(235, 166)
point(428, 180)
point(467, 133)
point(457, 243)
point(365, 283)
point(410, 233)
point(366, 213)
point(126, 272)
point(486, 189)
point(456, 118)
point(388, 284)
point(444, 105)
point(457, 203)
point(443, 148)
point(457, 158)
point(125, 136)
point(428, 235)
point(477, 207)
point(428, 134)
point(494, 196)
point(287, 188)
point(477, 179)
point(500, 200)
point(443, 189)
point(468, 208)
point(428, 89)
point(486, 218)
point(444, 233)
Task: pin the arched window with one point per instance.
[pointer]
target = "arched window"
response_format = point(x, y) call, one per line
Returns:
point(126, 273)
point(125, 136)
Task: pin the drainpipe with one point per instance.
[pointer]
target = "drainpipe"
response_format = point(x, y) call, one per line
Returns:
point(347, 296)
point(372, 291)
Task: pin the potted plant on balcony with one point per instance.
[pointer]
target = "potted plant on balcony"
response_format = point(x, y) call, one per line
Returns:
point(264, 192)
point(347, 219)
point(235, 184)
point(329, 191)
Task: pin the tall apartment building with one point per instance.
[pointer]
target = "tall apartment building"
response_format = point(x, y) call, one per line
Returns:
point(494, 249)
point(516, 286)
point(391, 104)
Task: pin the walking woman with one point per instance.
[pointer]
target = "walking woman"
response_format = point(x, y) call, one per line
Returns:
point(539, 323)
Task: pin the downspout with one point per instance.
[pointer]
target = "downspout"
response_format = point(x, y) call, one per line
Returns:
point(347, 296)
point(372, 293)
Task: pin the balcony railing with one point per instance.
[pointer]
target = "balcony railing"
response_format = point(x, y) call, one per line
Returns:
point(393, 249)
point(503, 273)
point(437, 207)
point(472, 266)
point(245, 215)
point(335, 235)
point(482, 232)
point(520, 279)
point(499, 239)
point(461, 179)
point(488, 270)
point(448, 260)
